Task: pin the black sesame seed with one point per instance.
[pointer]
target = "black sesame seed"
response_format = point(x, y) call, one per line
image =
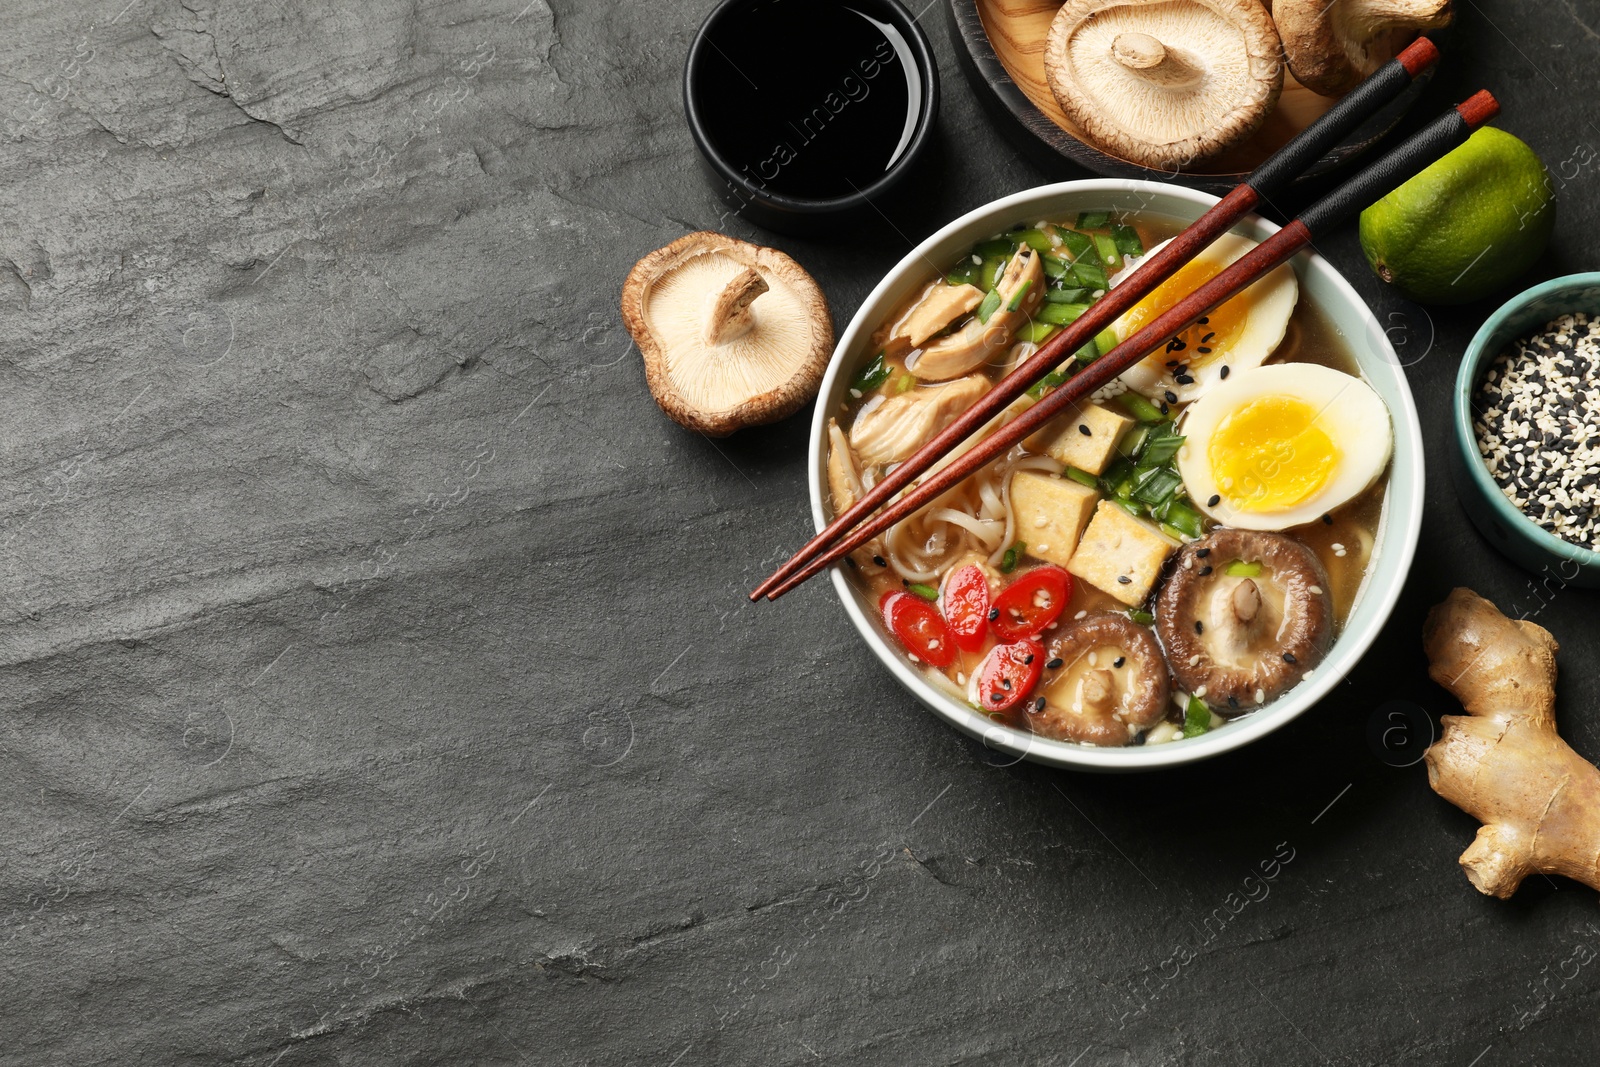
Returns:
point(994, 613)
point(1138, 739)
point(906, 582)
point(1204, 320)
point(851, 560)
point(1199, 627)
point(997, 697)
point(1172, 398)
point(1204, 351)
point(1164, 408)
point(1233, 702)
point(1055, 663)
point(1205, 570)
point(1207, 338)
point(1085, 430)
point(1038, 705)
point(1216, 498)
point(1327, 520)
point(1202, 552)
point(1184, 379)
point(1120, 661)
point(1124, 579)
point(880, 561)
point(1005, 683)
point(1288, 657)
point(1225, 371)
point(1027, 660)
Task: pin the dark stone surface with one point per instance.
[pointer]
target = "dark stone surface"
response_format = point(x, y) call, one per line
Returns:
point(378, 682)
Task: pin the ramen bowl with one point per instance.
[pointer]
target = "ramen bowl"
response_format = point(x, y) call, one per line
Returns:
point(1394, 537)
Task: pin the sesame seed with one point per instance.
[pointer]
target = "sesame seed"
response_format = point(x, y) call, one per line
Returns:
point(1194, 660)
point(1226, 370)
point(1085, 430)
point(1054, 664)
point(1080, 615)
point(1028, 659)
point(1038, 705)
point(1124, 579)
point(1207, 569)
point(994, 613)
point(1216, 498)
point(1315, 590)
point(1288, 657)
point(880, 561)
point(1327, 520)
point(1261, 696)
point(1199, 627)
point(1120, 661)
point(1202, 552)
point(1172, 398)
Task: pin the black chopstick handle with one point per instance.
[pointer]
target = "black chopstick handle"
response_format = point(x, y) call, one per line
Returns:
point(1354, 108)
point(1397, 167)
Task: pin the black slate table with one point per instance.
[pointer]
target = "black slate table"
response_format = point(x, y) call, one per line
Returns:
point(378, 682)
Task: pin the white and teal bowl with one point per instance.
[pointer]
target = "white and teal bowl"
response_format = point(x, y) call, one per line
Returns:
point(1319, 281)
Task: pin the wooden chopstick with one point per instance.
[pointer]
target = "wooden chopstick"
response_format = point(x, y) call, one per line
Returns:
point(1433, 141)
point(1274, 174)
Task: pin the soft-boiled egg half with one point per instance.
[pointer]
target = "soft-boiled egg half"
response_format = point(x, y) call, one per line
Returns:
point(1277, 446)
point(1236, 336)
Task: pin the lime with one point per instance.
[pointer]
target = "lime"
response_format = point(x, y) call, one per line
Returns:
point(1465, 227)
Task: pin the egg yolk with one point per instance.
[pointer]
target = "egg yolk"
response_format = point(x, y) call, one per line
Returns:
point(1270, 454)
point(1208, 339)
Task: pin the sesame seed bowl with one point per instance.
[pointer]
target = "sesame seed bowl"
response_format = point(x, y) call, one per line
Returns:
point(1369, 599)
point(1527, 426)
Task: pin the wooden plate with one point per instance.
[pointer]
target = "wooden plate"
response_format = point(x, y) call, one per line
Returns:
point(1001, 47)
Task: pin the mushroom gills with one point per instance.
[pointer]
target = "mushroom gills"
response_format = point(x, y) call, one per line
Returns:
point(1111, 684)
point(1238, 635)
point(981, 340)
point(731, 334)
point(889, 429)
point(1164, 84)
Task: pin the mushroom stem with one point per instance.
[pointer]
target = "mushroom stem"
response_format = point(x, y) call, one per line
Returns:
point(1152, 60)
point(1246, 601)
point(730, 317)
point(1099, 690)
point(1374, 16)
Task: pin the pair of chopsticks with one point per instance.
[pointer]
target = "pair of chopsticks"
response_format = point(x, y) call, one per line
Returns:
point(858, 524)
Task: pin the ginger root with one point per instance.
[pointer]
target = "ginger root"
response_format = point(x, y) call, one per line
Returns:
point(1503, 762)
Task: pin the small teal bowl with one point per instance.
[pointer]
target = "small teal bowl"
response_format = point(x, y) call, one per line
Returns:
point(1506, 527)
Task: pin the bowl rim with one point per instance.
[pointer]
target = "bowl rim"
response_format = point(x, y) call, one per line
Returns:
point(927, 123)
point(1400, 530)
point(1484, 347)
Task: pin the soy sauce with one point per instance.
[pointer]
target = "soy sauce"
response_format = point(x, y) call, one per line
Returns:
point(814, 99)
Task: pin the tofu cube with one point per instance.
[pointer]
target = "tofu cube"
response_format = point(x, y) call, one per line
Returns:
point(1064, 440)
point(1051, 514)
point(1117, 546)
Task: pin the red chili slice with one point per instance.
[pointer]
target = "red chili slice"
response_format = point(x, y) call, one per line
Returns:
point(965, 601)
point(1008, 674)
point(1032, 602)
point(919, 626)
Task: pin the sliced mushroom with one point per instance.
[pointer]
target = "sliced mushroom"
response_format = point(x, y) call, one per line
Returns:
point(980, 341)
point(890, 430)
point(732, 334)
point(844, 489)
point(935, 310)
point(1164, 84)
point(1237, 640)
point(1331, 47)
point(1104, 684)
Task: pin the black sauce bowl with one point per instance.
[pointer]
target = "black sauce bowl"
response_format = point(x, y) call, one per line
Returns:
point(746, 187)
